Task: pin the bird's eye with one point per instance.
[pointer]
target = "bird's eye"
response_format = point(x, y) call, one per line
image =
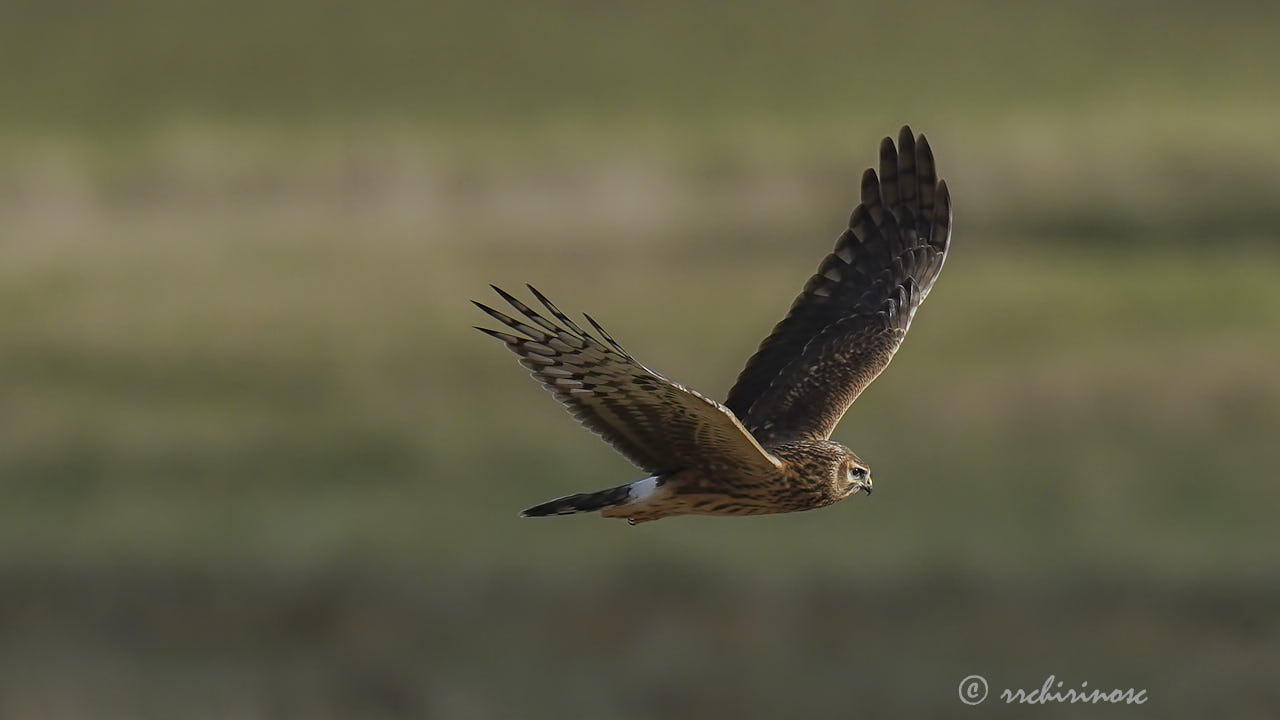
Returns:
point(858, 472)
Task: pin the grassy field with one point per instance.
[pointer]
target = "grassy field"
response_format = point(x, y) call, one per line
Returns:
point(255, 462)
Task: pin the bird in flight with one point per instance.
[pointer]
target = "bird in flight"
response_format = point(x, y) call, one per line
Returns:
point(767, 448)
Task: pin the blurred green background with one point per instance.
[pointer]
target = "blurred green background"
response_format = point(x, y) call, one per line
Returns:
point(255, 463)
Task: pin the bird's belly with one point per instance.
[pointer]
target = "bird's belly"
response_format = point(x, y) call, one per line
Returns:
point(691, 493)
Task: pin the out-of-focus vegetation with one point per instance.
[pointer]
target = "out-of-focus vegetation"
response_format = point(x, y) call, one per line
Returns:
point(255, 463)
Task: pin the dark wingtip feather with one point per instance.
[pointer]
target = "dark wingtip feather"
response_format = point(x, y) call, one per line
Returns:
point(559, 315)
point(870, 187)
point(888, 172)
point(510, 322)
point(507, 296)
point(485, 308)
point(942, 216)
point(504, 337)
point(888, 151)
point(908, 191)
point(542, 298)
point(528, 312)
point(927, 174)
point(495, 314)
point(520, 307)
point(607, 337)
point(922, 145)
point(924, 159)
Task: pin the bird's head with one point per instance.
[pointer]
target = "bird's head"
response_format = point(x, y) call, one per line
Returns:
point(826, 467)
point(854, 475)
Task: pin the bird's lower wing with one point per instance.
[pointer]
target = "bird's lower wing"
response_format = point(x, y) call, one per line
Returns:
point(851, 316)
point(655, 423)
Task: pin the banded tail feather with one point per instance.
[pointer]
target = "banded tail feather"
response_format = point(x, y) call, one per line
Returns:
point(631, 492)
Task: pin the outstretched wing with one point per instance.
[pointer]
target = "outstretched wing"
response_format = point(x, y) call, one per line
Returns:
point(853, 313)
point(655, 423)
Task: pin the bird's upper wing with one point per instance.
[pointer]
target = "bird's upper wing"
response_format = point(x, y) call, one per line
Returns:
point(854, 312)
point(655, 423)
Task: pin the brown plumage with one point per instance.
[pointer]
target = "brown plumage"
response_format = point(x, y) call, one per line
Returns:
point(767, 448)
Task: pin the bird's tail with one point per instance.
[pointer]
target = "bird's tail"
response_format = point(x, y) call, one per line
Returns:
point(588, 502)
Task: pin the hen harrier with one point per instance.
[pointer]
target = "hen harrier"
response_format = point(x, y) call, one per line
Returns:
point(766, 449)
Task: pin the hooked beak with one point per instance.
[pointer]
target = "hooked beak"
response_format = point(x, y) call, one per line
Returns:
point(866, 486)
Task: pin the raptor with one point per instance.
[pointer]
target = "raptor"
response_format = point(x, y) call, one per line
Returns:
point(768, 447)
